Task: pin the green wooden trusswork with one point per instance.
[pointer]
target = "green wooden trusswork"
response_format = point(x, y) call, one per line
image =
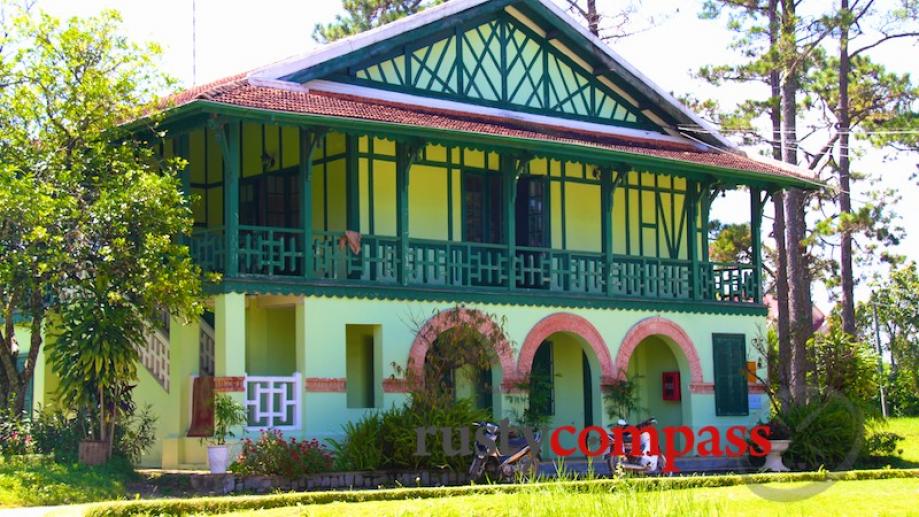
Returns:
point(500, 62)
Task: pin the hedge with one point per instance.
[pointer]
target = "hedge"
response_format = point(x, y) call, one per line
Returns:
point(235, 503)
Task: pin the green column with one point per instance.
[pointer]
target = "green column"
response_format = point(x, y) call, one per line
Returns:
point(404, 153)
point(228, 136)
point(509, 176)
point(353, 219)
point(181, 150)
point(606, 226)
point(230, 341)
point(695, 273)
point(308, 141)
point(756, 239)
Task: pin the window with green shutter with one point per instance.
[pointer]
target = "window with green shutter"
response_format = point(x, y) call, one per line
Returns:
point(730, 354)
point(20, 364)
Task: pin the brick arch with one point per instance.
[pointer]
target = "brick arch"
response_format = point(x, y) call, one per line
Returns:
point(445, 320)
point(570, 323)
point(667, 329)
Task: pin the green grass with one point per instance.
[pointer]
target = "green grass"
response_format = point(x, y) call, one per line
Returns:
point(39, 481)
point(908, 427)
point(855, 498)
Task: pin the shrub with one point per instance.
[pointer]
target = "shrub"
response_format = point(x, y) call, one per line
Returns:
point(389, 439)
point(58, 433)
point(15, 435)
point(882, 444)
point(272, 455)
point(824, 433)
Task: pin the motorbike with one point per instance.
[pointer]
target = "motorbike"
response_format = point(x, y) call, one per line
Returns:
point(642, 461)
point(492, 464)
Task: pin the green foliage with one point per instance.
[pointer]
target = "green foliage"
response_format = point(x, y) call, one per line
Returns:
point(621, 398)
point(362, 15)
point(896, 299)
point(57, 434)
point(262, 503)
point(841, 364)
point(882, 443)
point(227, 414)
point(389, 439)
point(15, 436)
point(730, 242)
point(272, 455)
point(135, 434)
point(827, 434)
point(41, 481)
point(90, 214)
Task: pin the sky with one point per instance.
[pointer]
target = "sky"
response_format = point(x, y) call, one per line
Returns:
point(237, 35)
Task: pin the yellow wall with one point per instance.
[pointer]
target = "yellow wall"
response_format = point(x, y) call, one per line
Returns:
point(270, 340)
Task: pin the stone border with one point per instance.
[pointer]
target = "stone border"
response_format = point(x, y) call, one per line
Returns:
point(232, 483)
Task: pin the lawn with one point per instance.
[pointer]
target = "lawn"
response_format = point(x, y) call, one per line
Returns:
point(39, 481)
point(908, 427)
point(856, 498)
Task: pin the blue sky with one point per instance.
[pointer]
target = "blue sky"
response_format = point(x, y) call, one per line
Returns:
point(237, 35)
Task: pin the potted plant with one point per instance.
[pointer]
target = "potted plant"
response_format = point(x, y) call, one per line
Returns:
point(779, 440)
point(227, 414)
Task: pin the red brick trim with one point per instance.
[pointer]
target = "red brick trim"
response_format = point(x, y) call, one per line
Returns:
point(667, 329)
point(709, 388)
point(393, 385)
point(325, 385)
point(230, 384)
point(445, 320)
point(571, 323)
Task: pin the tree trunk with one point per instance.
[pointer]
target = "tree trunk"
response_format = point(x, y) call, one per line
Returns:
point(800, 324)
point(593, 18)
point(778, 222)
point(846, 274)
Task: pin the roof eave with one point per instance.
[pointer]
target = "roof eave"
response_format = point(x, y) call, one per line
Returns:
point(176, 115)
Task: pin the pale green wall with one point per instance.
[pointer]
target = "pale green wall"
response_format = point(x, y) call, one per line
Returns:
point(270, 340)
point(653, 357)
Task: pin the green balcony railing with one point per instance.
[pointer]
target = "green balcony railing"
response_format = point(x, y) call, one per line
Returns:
point(279, 252)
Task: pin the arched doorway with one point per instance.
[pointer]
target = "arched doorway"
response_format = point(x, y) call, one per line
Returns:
point(652, 348)
point(565, 360)
point(430, 360)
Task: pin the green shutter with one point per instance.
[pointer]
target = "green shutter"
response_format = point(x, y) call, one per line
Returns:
point(730, 356)
point(20, 364)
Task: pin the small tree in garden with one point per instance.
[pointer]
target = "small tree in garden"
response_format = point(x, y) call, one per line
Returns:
point(227, 414)
point(89, 215)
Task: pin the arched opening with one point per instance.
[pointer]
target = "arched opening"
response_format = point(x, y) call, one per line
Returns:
point(463, 353)
point(651, 366)
point(459, 365)
point(564, 385)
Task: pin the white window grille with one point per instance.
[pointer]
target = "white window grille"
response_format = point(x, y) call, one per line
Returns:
point(274, 402)
point(154, 355)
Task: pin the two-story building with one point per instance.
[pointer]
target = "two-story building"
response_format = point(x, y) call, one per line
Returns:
point(489, 154)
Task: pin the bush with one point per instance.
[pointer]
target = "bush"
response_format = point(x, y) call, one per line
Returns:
point(15, 435)
point(271, 455)
point(828, 433)
point(58, 433)
point(389, 439)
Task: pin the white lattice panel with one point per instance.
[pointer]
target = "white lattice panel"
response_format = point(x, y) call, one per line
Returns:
point(274, 402)
point(154, 355)
point(205, 348)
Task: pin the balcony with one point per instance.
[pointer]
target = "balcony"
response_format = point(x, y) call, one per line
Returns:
point(270, 255)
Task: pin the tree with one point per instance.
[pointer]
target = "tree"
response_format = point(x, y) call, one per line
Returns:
point(614, 25)
point(88, 213)
point(362, 15)
point(850, 19)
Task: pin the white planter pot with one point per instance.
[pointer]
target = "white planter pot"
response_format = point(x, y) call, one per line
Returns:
point(774, 458)
point(218, 457)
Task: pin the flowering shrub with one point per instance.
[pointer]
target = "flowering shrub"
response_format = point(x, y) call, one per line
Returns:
point(271, 454)
point(15, 436)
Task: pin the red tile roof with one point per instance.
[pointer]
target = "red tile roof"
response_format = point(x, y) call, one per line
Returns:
point(238, 91)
